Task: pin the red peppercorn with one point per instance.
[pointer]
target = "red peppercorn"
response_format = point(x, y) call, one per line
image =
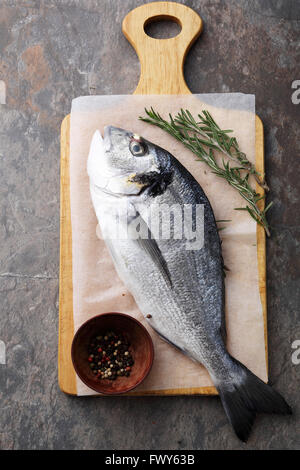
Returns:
point(90, 359)
point(99, 349)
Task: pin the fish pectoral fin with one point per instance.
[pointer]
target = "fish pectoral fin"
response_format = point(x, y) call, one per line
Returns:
point(150, 246)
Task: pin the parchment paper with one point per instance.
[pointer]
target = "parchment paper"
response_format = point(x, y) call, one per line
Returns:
point(96, 286)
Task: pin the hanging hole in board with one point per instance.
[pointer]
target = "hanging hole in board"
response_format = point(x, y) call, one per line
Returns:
point(162, 27)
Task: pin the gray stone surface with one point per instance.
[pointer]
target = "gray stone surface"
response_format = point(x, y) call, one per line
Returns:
point(50, 52)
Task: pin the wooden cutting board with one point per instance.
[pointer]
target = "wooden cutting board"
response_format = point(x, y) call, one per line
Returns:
point(162, 62)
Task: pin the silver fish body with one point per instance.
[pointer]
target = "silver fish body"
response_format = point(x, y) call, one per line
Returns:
point(180, 291)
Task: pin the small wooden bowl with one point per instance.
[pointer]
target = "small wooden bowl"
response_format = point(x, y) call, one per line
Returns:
point(141, 348)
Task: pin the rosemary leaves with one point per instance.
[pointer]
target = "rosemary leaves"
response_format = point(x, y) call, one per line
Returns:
point(203, 137)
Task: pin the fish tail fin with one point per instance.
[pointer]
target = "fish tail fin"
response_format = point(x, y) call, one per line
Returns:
point(243, 395)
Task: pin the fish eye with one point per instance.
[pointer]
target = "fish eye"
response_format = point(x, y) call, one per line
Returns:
point(138, 149)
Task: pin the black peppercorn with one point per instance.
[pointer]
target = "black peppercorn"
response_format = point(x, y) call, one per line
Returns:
point(109, 356)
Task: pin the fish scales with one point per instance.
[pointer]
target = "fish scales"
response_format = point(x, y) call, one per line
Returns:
point(180, 291)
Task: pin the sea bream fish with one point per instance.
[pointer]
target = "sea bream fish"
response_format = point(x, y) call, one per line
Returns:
point(179, 288)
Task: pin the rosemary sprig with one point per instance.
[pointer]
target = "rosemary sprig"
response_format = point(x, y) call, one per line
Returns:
point(218, 139)
point(205, 136)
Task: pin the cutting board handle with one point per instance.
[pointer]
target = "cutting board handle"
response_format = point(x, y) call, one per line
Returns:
point(162, 60)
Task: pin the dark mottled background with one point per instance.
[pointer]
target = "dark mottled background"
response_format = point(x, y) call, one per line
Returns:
point(50, 52)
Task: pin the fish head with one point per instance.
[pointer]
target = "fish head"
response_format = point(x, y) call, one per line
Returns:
point(123, 163)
